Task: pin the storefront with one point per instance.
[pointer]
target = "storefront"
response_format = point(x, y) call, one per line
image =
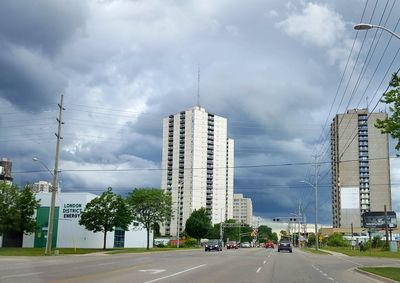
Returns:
point(67, 232)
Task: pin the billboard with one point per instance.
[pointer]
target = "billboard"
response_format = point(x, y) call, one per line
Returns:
point(376, 219)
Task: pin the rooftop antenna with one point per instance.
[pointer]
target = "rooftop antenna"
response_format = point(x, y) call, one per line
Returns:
point(198, 85)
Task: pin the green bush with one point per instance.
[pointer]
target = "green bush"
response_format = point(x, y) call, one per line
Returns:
point(336, 240)
point(377, 242)
point(190, 243)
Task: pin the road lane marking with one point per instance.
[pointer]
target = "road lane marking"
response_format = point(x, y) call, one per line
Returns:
point(258, 270)
point(177, 273)
point(153, 271)
point(324, 274)
point(265, 261)
point(20, 275)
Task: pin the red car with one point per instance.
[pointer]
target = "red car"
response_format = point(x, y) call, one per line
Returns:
point(269, 244)
point(231, 245)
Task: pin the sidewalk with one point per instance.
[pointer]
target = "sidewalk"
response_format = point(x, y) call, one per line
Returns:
point(333, 253)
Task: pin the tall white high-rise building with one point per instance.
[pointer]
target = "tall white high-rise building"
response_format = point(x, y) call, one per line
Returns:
point(197, 162)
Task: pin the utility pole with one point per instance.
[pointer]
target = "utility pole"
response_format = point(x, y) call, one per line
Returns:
point(316, 165)
point(386, 227)
point(54, 186)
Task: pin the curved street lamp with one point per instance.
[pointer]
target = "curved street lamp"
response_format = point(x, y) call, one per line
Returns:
point(363, 26)
point(43, 164)
point(316, 212)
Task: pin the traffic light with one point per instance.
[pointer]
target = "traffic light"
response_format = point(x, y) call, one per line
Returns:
point(275, 219)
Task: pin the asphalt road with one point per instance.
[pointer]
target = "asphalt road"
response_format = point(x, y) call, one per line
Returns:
point(242, 265)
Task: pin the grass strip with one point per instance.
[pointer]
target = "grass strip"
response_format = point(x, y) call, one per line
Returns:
point(369, 253)
point(387, 272)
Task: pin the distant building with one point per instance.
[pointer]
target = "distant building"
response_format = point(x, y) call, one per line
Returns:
point(242, 209)
point(360, 167)
point(5, 170)
point(41, 187)
point(197, 161)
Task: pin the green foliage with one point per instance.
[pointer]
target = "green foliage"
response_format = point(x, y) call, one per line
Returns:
point(391, 125)
point(150, 206)
point(105, 213)
point(311, 239)
point(274, 237)
point(264, 233)
point(336, 240)
point(231, 233)
point(198, 225)
point(189, 243)
point(17, 209)
point(377, 242)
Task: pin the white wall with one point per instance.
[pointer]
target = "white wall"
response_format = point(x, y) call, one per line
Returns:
point(70, 234)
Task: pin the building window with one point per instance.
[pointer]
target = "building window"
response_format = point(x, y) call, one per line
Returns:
point(119, 238)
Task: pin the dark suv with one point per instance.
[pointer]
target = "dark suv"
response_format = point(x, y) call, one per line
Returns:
point(284, 245)
point(213, 245)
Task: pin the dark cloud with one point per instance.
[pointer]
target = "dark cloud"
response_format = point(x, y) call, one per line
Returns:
point(42, 25)
point(28, 80)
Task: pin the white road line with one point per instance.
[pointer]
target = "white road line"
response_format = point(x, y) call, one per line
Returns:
point(177, 273)
point(20, 275)
point(265, 261)
point(258, 270)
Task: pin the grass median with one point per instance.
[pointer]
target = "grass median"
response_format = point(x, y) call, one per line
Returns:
point(369, 253)
point(388, 272)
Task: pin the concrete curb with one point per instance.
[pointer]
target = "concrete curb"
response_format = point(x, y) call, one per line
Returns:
point(333, 253)
point(378, 277)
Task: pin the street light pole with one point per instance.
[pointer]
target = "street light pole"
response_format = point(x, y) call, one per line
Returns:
point(369, 26)
point(315, 210)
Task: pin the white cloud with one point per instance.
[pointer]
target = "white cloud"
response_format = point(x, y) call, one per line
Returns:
point(316, 24)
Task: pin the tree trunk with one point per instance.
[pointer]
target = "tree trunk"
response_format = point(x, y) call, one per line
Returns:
point(104, 240)
point(148, 237)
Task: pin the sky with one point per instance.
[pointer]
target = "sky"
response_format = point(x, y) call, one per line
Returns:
point(279, 71)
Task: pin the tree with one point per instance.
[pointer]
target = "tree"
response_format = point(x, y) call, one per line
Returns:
point(231, 232)
point(274, 237)
point(264, 233)
point(150, 206)
point(17, 209)
point(105, 213)
point(392, 125)
point(198, 225)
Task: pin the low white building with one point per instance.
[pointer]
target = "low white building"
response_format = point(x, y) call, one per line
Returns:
point(68, 233)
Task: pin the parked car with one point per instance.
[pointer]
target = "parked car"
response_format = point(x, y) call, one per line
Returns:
point(245, 245)
point(284, 245)
point(269, 244)
point(213, 245)
point(231, 245)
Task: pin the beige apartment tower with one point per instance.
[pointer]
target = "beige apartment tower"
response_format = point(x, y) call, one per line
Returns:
point(360, 167)
point(242, 209)
point(197, 163)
